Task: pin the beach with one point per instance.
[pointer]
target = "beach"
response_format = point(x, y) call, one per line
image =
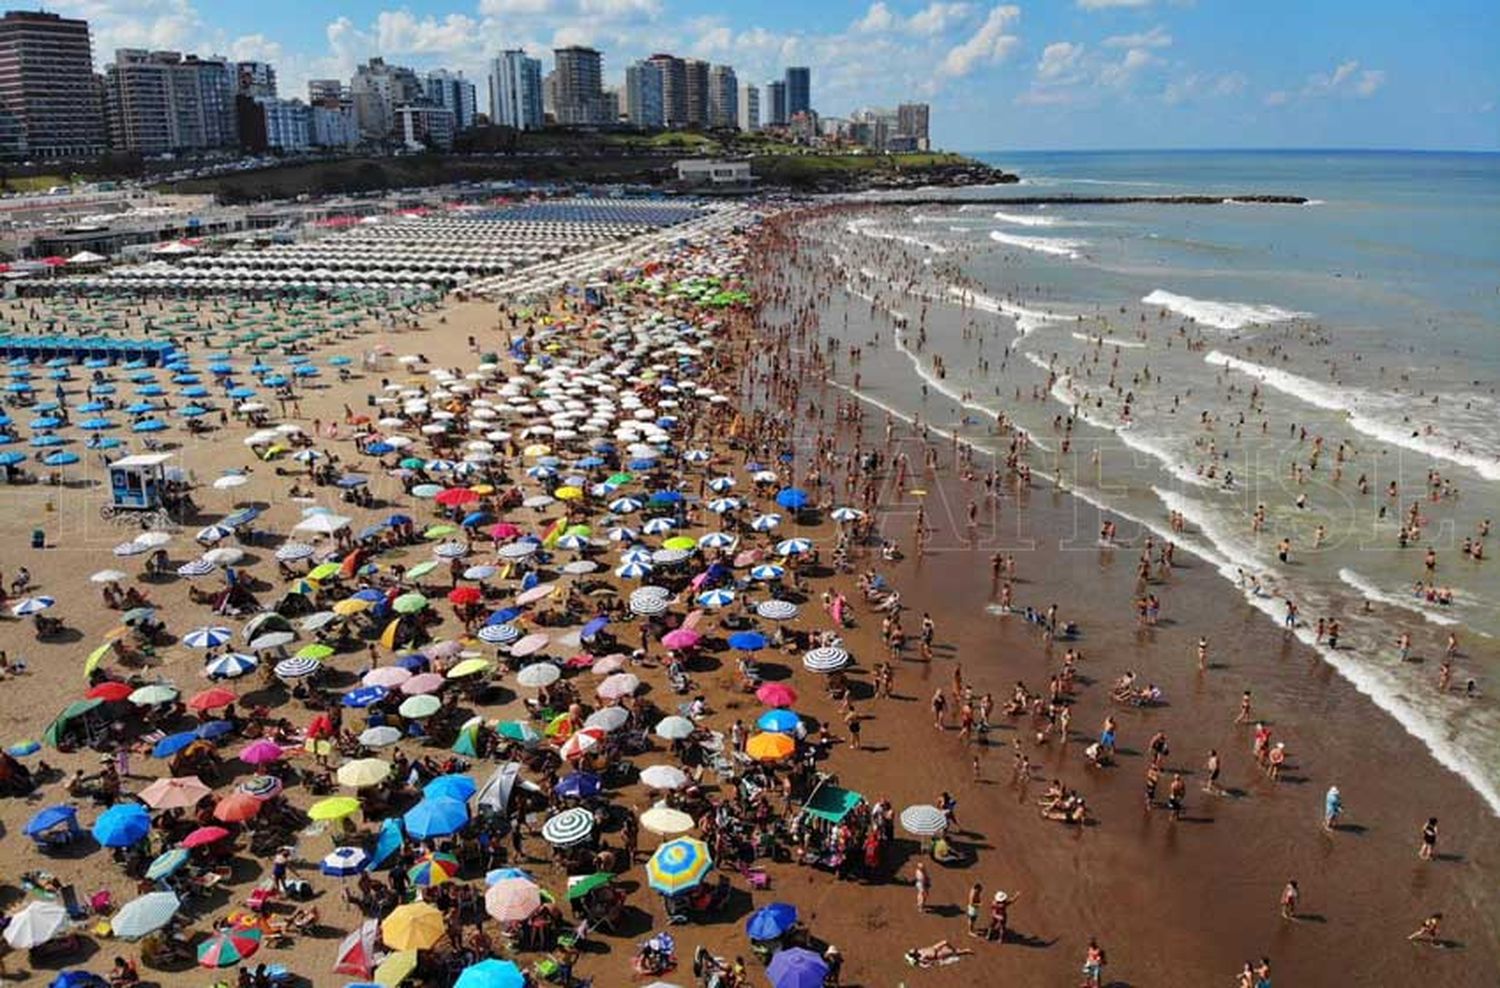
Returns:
point(1185, 901)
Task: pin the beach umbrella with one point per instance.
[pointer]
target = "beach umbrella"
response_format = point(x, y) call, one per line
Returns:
point(32, 605)
point(779, 721)
point(452, 786)
point(227, 948)
point(716, 540)
point(122, 825)
point(491, 973)
point(665, 821)
point(173, 743)
point(776, 695)
point(771, 921)
point(294, 668)
point(109, 576)
point(35, 924)
point(414, 926)
point(777, 610)
point(663, 777)
point(204, 836)
point(237, 807)
point(770, 747)
point(174, 793)
point(260, 786)
point(212, 699)
point(379, 737)
point(846, 514)
point(793, 547)
point(427, 682)
point(797, 967)
point(499, 634)
point(356, 954)
point(364, 696)
point(192, 569)
point(571, 826)
point(766, 522)
point(826, 658)
point(579, 785)
point(418, 707)
point(396, 968)
point(260, 752)
point(52, 816)
point(538, 674)
point(292, 551)
point(409, 603)
point(469, 667)
point(363, 772)
point(618, 685)
point(923, 820)
point(678, 865)
point(674, 728)
point(230, 665)
point(333, 808)
point(767, 572)
point(144, 915)
point(389, 677)
point(747, 641)
point(435, 817)
point(109, 692)
point(167, 863)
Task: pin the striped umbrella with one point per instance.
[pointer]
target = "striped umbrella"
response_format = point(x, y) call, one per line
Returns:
point(777, 610)
point(297, 668)
point(724, 505)
point(499, 634)
point(717, 540)
point(678, 865)
point(846, 514)
point(767, 572)
point(260, 786)
point(198, 567)
point(433, 868)
point(292, 551)
point(793, 546)
point(230, 665)
point(766, 522)
point(228, 947)
point(207, 637)
point(633, 571)
point(167, 863)
point(647, 606)
point(826, 658)
point(568, 827)
point(342, 862)
point(538, 674)
point(923, 820)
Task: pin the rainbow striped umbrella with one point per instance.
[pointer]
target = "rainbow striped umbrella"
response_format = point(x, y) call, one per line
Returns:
point(433, 868)
point(228, 947)
point(678, 865)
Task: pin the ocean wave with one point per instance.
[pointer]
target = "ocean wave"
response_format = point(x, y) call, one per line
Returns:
point(1110, 341)
point(1406, 601)
point(1026, 320)
point(1027, 219)
point(861, 227)
point(1221, 315)
point(1355, 405)
point(1056, 246)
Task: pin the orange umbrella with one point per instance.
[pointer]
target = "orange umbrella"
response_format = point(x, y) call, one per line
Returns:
point(212, 698)
point(769, 747)
point(237, 807)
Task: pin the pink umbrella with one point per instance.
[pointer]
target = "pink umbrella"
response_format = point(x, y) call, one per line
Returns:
point(681, 638)
point(581, 743)
point(260, 752)
point(388, 676)
point(504, 530)
point(776, 695)
point(536, 593)
point(444, 650)
point(618, 685)
point(749, 557)
point(204, 835)
point(698, 580)
point(427, 682)
point(691, 621)
point(530, 644)
point(511, 900)
point(608, 664)
point(180, 793)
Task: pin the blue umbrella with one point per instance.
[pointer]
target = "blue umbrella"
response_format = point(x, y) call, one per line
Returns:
point(98, 422)
point(105, 442)
point(495, 875)
point(241, 392)
point(219, 367)
point(778, 721)
point(122, 825)
point(771, 921)
point(797, 968)
point(77, 979)
point(306, 370)
point(93, 406)
point(792, 498)
point(747, 641)
point(48, 440)
point(363, 696)
point(45, 422)
point(151, 390)
point(196, 391)
point(62, 459)
point(51, 817)
point(593, 628)
point(173, 743)
point(210, 729)
point(491, 973)
point(149, 425)
point(344, 861)
point(379, 448)
point(11, 459)
point(23, 748)
point(435, 817)
point(395, 520)
point(140, 407)
point(192, 411)
point(388, 842)
point(340, 361)
point(456, 787)
point(167, 863)
point(349, 481)
point(579, 785)
point(504, 615)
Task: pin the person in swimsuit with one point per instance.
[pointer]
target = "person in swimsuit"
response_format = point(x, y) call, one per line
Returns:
point(1429, 839)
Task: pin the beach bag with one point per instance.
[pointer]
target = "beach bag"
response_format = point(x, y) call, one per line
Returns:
point(299, 889)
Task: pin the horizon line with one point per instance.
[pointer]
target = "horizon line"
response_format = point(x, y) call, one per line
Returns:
point(1310, 149)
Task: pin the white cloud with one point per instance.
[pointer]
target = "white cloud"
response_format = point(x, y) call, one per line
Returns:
point(1369, 81)
point(936, 18)
point(1157, 37)
point(398, 32)
point(1120, 74)
point(1058, 61)
point(1279, 97)
point(1196, 86)
point(1107, 4)
point(1346, 79)
point(989, 44)
point(877, 18)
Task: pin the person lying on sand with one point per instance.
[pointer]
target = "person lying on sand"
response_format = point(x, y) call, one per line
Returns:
point(941, 952)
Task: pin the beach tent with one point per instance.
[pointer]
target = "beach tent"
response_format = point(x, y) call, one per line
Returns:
point(830, 803)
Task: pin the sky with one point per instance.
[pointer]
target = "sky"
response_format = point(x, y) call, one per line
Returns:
point(1047, 74)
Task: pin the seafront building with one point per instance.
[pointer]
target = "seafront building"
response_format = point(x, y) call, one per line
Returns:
point(516, 91)
point(49, 105)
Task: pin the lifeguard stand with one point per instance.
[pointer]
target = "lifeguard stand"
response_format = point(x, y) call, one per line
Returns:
point(138, 490)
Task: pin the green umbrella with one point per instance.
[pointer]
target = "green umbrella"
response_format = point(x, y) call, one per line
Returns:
point(409, 603)
point(578, 888)
point(620, 479)
point(417, 707)
point(70, 713)
point(421, 569)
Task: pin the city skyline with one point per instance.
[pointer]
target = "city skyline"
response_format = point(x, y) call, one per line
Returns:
point(1064, 74)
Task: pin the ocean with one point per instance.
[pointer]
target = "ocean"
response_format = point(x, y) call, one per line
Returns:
point(1208, 365)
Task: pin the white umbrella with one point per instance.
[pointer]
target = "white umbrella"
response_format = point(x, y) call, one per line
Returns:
point(36, 924)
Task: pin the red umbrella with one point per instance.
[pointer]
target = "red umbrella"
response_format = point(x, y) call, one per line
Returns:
point(776, 695)
point(454, 496)
point(237, 807)
point(504, 530)
point(204, 835)
point(462, 596)
point(109, 692)
point(320, 726)
point(210, 699)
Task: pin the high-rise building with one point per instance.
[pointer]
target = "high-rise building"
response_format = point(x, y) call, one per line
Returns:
point(377, 90)
point(673, 89)
point(776, 103)
point(798, 90)
point(270, 124)
point(48, 97)
point(160, 102)
point(579, 82)
point(911, 122)
point(425, 126)
point(451, 91)
point(332, 126)
point(749, 108)
point(327, 92)
point(644, 105)
point(723, 98)
point(255, 79)
point(516, 91)
point(695, 77)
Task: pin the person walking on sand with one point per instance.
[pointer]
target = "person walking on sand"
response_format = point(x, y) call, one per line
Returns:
point(1428, 848)
point(971, 908)
point(1243, 717)
point(1093, 965)
point(1289, 896)
point(939, 708)
point(1214, 767)
point(999, 917)
point(1333, 808)
point(923, 885)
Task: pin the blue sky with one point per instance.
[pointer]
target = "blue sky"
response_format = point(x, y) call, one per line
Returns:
point(1049, 74)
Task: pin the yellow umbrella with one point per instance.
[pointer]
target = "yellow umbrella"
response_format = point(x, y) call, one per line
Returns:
point(118, 631)
point(666, 821)
point(364, 772)
point(414, 926)
point(770, 747)
point(536, 449)
point(468, 667)
point(332, 808)
point(482, 489)
point(323, 571)
point(388, 636)
point(95, 657)
point(351, 606)
point(568, 493)
point(684, 542)
point(396, 968)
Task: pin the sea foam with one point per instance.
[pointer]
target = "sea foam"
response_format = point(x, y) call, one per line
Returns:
point(1221, 315)
point(1056, 246)
point(1019, 219)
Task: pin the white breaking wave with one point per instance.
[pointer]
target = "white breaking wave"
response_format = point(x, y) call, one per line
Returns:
point(1355, 405)
point(859, 227)
point(1407, 602)
point(1026, 320)
point(1018, 219)
point(1110, 341)
point(1221, 315)
point(1063, 393)
point(1056, 246)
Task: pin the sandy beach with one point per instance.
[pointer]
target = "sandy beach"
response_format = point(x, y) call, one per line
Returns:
point(1184, 901)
